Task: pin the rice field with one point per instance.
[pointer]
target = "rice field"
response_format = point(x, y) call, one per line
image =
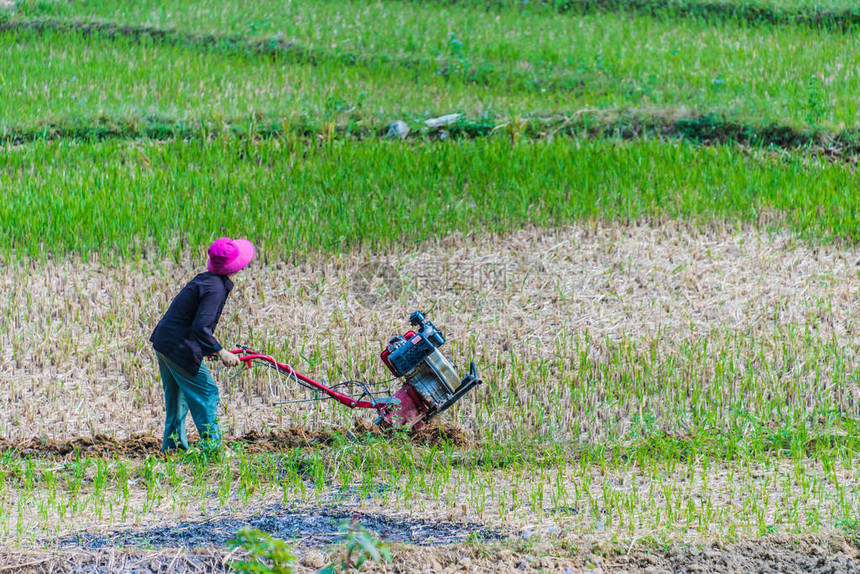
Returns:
point(117, 198)
point(638, 364)
point(665, 322)
point(428, 60)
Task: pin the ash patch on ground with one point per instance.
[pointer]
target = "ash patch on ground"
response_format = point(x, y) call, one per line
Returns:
point(307, 527)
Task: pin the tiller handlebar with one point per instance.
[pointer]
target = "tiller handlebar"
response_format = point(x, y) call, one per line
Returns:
point(374, 403)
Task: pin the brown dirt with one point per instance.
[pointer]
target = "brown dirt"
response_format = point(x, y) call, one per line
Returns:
point(278, 440)
point(438, 433)
point(785, 554)
point(98, 445)
point(283, 439)
point(433, 434)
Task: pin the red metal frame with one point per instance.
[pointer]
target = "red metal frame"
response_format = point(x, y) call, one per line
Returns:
point(339, 397)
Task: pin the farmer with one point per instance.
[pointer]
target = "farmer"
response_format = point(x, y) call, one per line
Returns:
point(186, 334)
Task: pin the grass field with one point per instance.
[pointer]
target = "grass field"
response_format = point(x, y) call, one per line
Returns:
point(643, 229)
point(427, 60)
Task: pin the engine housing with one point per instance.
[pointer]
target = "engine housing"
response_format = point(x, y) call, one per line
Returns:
point(431, 383)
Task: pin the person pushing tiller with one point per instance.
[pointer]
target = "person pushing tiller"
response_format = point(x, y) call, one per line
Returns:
point(186, 334)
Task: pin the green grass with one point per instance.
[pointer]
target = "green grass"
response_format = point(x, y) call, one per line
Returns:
point(441, 59)
point(567, 5)
point(779, 5)
point(294, 198)
point(69, 79)
point(266, 16)
point(841, 14)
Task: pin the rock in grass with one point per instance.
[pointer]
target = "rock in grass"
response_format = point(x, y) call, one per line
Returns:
point(314, 559)
point(442, 121)
point(398, 129)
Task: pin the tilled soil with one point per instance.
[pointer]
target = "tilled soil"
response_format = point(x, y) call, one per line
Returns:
point(100, 444)
point(278, 440)
point(784, 554)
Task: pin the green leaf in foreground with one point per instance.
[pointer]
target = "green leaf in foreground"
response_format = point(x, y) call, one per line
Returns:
point(266, 554)
point(359, 546)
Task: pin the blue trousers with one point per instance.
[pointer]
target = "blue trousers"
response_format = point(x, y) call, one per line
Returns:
point(182, 393)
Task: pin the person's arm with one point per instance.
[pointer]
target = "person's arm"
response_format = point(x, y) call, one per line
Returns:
point(203, 326)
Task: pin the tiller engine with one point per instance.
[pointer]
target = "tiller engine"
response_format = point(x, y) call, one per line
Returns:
point(431, 384)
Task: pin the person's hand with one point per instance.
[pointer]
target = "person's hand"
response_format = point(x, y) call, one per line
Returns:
point(228, 358)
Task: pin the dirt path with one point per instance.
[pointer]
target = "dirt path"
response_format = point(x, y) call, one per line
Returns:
point(817, 555)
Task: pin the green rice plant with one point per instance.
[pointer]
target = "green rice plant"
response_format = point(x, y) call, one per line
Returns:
point(359, 546)
point(338, 197)
point(614, 506)
point(122, 479)
point(151, 479)
point(99, 484)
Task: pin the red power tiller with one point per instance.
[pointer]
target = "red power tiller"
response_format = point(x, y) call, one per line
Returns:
point(431, 383)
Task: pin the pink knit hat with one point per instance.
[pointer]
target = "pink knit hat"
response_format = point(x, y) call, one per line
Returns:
point(227, 256)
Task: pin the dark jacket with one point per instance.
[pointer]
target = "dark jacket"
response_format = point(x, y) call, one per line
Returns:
point(186, 332)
